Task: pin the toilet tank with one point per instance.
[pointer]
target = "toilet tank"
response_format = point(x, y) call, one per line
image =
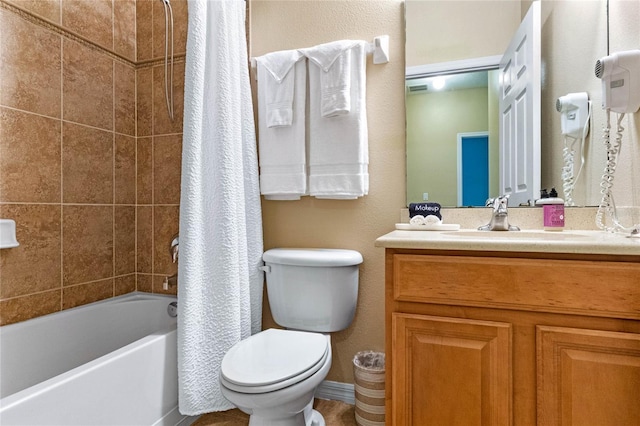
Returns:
point(312, 289)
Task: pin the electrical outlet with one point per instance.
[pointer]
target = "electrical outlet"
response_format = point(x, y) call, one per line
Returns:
point(425, 196)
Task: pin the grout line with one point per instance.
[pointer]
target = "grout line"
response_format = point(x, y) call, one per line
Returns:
point(62, 120)
point(62, 66)
point(113, 160)
point(152, 31)
point(135, 181)
point(31, 112)
point(113, 25)
point(51, 290)
point(135, 30)
point(69, 204)
point(153, 168)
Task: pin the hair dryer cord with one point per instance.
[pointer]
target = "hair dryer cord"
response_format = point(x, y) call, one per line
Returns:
point(607, 205)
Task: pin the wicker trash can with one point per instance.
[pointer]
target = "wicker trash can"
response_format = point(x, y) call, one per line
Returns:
point(368, 371)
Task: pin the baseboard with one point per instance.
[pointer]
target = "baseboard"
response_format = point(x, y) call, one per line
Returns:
point(336, 391)
point(188, 420)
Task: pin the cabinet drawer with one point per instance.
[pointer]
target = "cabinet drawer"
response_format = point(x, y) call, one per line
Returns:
point(610, 289)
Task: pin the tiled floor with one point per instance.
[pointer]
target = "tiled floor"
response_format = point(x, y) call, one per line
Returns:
point(335, 413)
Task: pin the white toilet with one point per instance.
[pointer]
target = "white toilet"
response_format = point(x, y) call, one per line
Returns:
point(273, 374)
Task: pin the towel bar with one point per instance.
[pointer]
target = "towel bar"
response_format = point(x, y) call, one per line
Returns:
point(379, 48)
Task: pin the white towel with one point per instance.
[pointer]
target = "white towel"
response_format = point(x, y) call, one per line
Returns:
point(283, 168)
point(334, 61)
point(338, 145)
point(278, 85)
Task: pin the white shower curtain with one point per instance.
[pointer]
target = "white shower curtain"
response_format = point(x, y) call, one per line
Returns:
point(220, 283)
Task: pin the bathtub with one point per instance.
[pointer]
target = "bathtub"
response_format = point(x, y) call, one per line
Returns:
point(111, 363)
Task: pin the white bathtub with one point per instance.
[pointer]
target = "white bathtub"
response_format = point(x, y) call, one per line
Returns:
point(111, 363)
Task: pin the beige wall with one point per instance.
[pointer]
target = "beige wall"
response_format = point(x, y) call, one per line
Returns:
point(278, 25)
point(443, 31)
point(574, 37)
point(95, 205)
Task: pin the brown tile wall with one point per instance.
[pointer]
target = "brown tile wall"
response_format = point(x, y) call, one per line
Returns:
point(89, 164)
point(159, 143)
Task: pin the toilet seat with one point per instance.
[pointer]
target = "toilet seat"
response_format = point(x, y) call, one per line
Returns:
point(273, 359)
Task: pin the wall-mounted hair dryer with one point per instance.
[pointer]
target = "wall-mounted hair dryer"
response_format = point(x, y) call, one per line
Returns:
point(574, 110)
point(620, 74)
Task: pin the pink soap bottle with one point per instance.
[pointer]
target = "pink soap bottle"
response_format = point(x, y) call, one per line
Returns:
point(552, 210)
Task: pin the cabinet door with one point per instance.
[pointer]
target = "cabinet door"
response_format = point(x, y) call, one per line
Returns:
point(450, 371)
point(588, 377)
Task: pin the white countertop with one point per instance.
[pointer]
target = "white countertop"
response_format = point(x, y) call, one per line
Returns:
point(567, 241)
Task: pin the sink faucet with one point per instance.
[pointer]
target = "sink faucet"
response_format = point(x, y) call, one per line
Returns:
point(499, 219)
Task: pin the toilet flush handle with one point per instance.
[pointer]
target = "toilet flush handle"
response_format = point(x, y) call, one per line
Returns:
point(265, 268)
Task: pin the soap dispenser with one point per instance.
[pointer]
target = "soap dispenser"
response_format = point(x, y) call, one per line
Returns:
point(552, 210)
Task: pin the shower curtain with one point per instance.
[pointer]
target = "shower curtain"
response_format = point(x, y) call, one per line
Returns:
point(220, 281)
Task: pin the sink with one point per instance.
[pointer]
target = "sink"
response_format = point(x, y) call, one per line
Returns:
point(517, 235)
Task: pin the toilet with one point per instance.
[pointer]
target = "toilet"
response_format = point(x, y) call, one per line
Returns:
point(273, 375)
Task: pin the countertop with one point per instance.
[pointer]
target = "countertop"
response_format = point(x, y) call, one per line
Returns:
point(567, 241)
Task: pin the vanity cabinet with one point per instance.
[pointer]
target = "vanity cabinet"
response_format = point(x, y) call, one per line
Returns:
point(505, 338)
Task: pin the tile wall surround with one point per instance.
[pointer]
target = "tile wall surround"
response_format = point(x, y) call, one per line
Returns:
point(89, 159)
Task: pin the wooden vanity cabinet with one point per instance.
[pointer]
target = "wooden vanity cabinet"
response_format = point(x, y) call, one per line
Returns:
point(501, 338)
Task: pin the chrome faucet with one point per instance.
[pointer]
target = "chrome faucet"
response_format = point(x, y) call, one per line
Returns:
point(174, 247)
point(499, 219)
point(173, 251)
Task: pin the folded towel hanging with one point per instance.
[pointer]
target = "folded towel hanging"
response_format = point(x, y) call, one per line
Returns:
point(278, 86)
point(283, 169)
point(338, 145)
point(334, 61)
point(283, 172)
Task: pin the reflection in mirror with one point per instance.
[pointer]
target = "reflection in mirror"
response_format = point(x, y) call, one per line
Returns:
point(573, 38)
point(452, 146)
point(441, 37)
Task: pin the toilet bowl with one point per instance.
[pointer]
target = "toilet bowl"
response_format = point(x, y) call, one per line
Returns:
point(273, 375)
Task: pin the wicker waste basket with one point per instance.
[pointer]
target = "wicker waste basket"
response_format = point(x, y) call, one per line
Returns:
point(368, 371)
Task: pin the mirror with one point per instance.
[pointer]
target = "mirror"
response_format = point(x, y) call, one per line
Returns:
point(452, 149)
point(573, 36)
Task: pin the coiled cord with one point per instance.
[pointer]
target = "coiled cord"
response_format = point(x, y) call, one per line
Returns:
point(607, 205)
point(569, 179)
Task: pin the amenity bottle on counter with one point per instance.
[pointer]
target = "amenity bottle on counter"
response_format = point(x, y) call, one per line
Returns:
point(552, 210)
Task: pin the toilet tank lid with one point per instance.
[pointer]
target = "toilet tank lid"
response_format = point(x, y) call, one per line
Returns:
point(312, 257)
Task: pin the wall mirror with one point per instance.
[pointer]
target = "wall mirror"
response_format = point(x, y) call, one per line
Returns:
point(472, 35)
